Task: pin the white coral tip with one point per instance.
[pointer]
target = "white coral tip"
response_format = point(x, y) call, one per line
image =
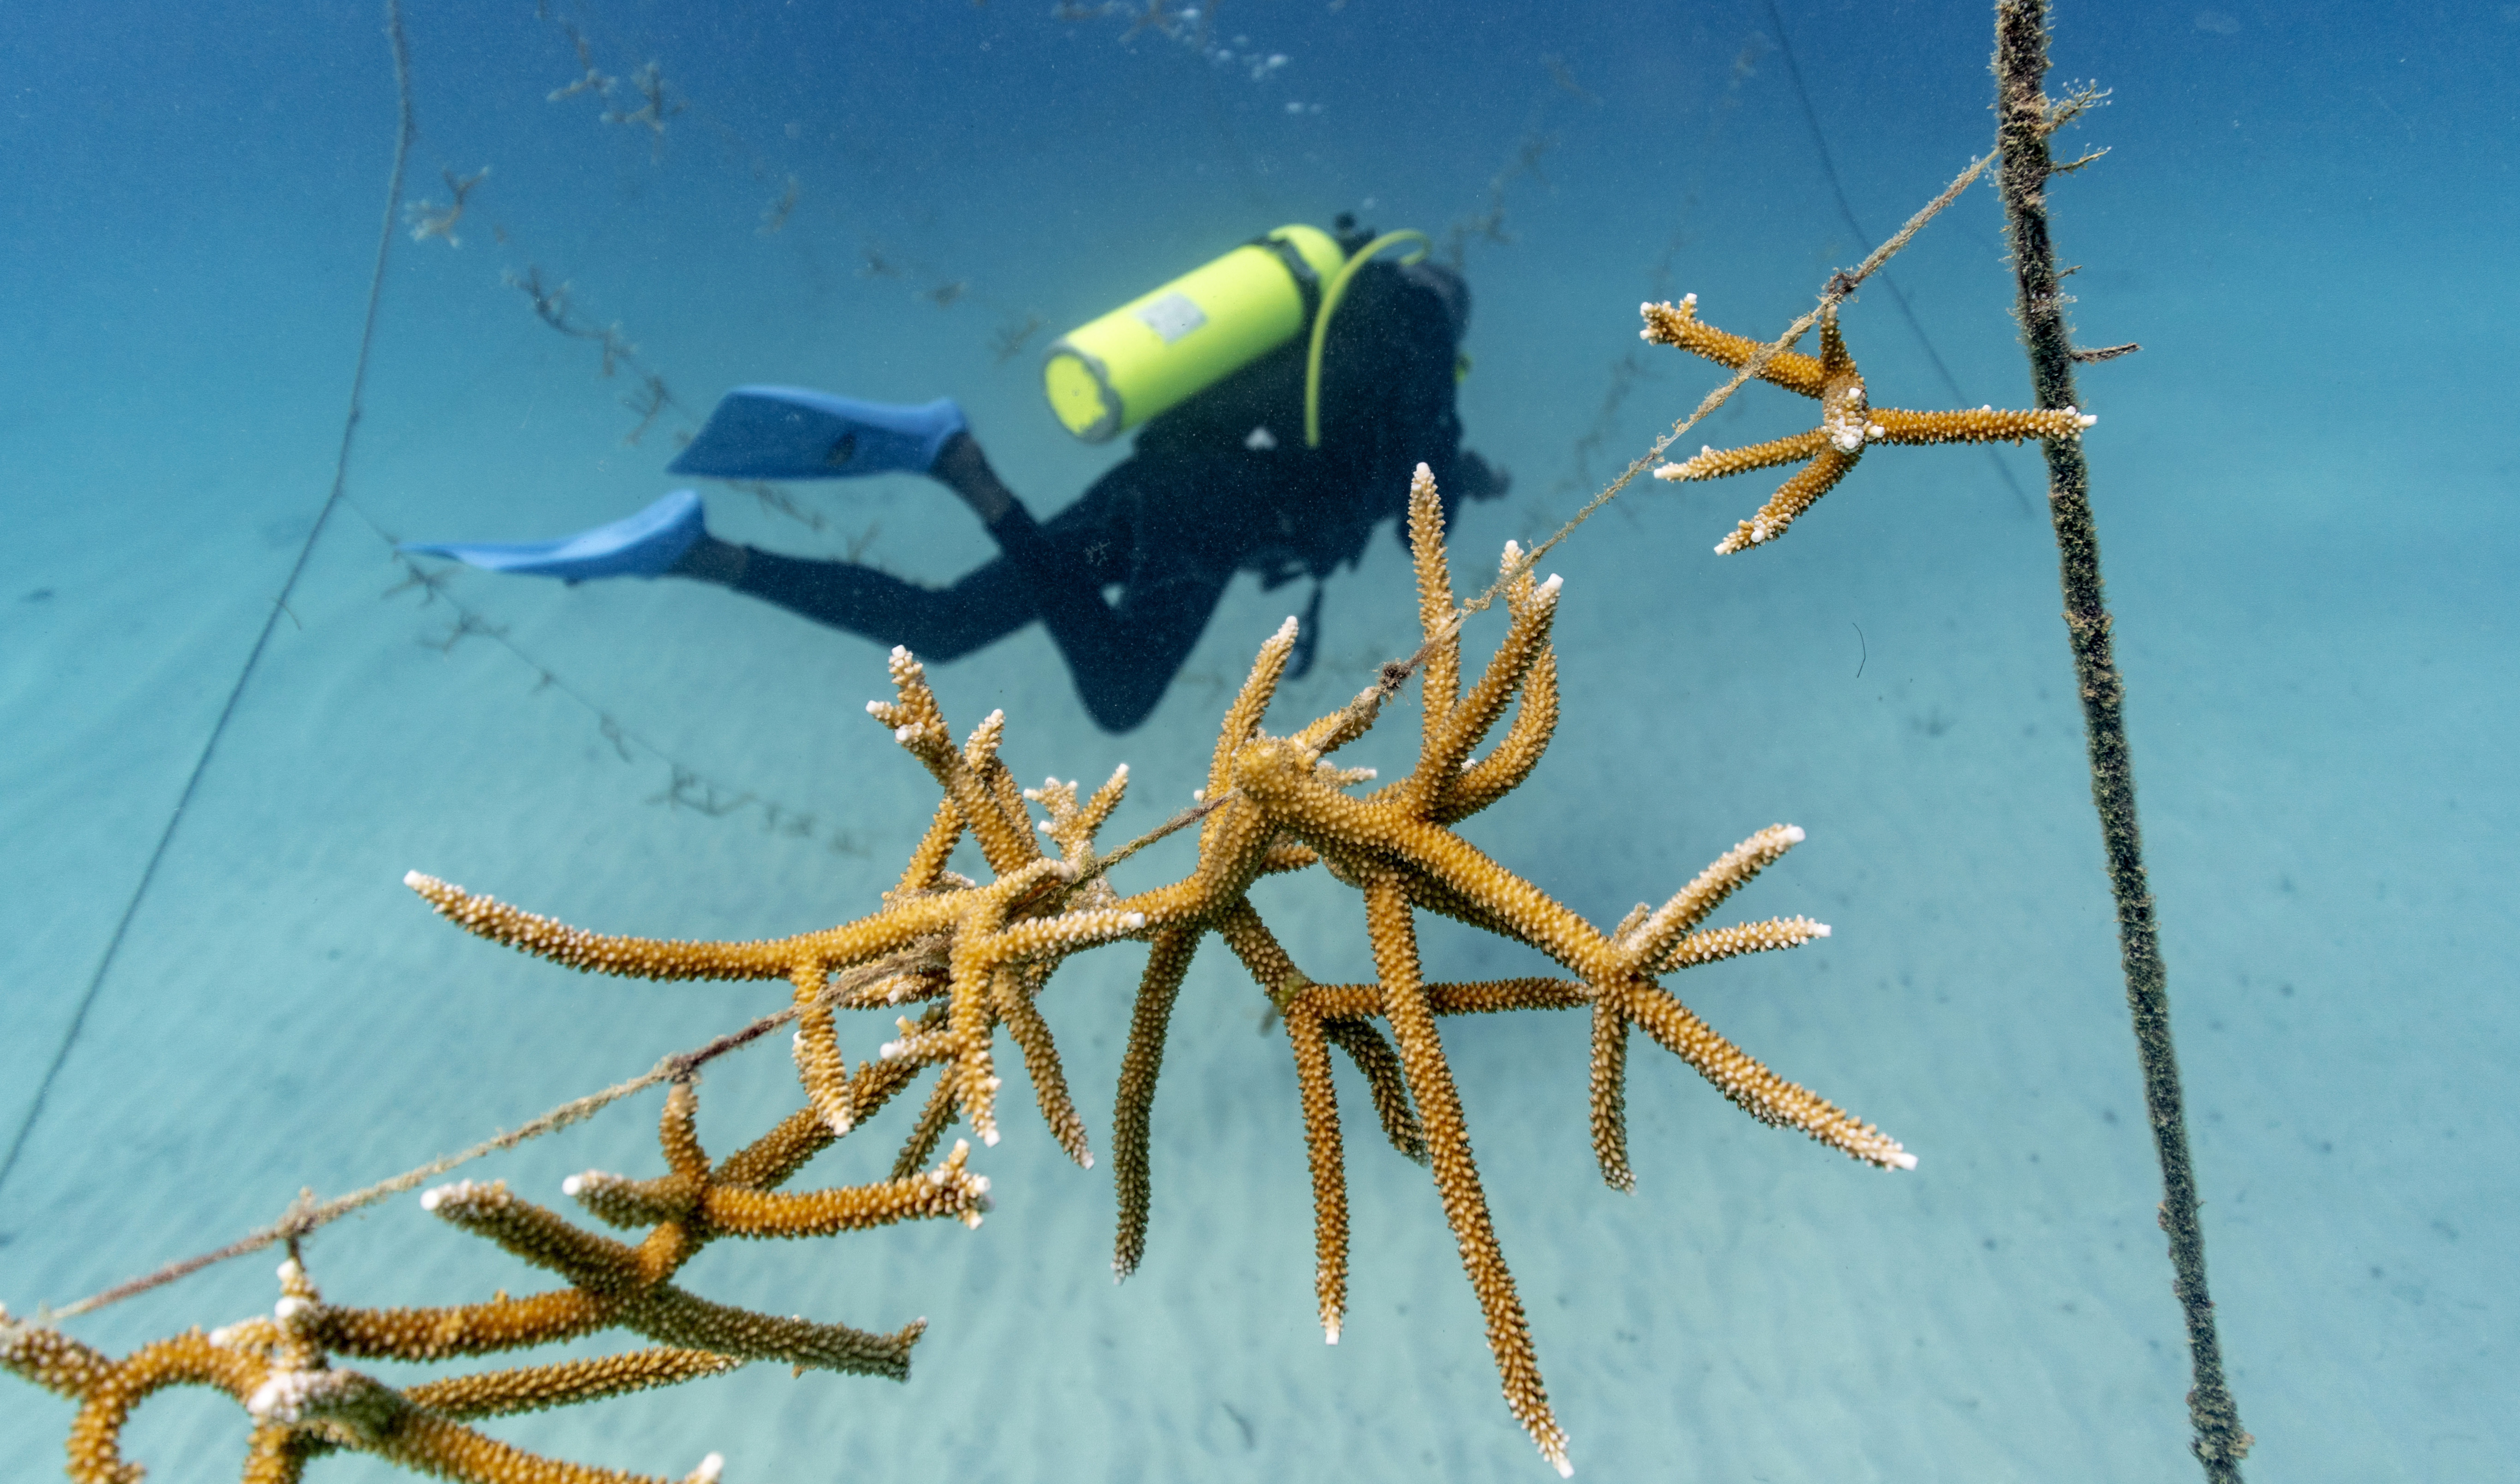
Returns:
point(904, 733)
point(1551, 588)
point(900, 652)
point(1795, 834)
point(573, 1185)
point(289, 1308)
point(1285, 631)
point(414, 880)
point(1904, 1160)
point(1133, 920)
point(710, 1467)
point(289, 1271)
point(875, 708)
point(267, 1399)
point(1819, 929)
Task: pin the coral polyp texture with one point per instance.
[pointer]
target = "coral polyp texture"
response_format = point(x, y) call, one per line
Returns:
point(1848, 422)
point(961, 959)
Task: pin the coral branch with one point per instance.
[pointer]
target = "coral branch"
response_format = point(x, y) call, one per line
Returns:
point(1848, 422)
point(955, 960)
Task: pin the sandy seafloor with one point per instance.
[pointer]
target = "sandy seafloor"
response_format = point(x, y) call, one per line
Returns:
point(2305, 490)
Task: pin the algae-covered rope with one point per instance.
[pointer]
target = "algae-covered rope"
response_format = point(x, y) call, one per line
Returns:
point(2026, 119)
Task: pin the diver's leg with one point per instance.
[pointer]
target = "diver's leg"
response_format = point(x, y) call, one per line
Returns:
point(961, 467)
point(1123, 658)
point(1159, 621)
point(986, 604)
point(1066, 563)
point(989, 603)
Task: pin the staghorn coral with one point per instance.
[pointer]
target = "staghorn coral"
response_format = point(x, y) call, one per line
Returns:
point(1847, 420)
point(429, 219)
point(281, 1368)
point(967, 958)
point(1288, 807)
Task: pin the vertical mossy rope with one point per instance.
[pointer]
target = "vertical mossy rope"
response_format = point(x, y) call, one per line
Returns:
point(2022, 129)
point(279, 605)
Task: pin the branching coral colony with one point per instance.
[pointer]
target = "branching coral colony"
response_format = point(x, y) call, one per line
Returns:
point(971, 957)
point(1847, 420)
point(303, 1406)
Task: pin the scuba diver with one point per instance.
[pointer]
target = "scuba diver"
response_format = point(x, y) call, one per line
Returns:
point(1286, 390)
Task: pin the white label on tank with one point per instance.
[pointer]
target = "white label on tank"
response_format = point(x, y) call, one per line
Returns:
point(1172, 316)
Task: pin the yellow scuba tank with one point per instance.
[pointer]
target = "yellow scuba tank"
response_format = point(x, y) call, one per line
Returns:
point(1115, 372)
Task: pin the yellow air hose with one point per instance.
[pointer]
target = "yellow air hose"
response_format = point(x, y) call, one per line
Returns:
point(1330, 294)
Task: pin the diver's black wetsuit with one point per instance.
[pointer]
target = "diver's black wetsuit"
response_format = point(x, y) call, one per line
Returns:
point(1220, 484)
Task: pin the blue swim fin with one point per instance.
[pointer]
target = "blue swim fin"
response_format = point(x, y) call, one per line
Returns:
point(791, 432)
point(644, 545)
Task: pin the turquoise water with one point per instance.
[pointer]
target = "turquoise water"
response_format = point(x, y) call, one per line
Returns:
point(2306, 506)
